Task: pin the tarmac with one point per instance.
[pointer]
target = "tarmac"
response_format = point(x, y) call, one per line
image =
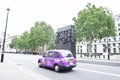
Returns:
point(10, 71)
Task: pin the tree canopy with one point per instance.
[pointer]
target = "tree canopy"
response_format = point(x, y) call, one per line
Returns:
point(94, 23)
point(40, 34)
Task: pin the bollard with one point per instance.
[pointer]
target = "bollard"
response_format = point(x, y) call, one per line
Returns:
point(2, 57)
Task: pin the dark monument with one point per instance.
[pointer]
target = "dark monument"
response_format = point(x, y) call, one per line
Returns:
point(66, 39)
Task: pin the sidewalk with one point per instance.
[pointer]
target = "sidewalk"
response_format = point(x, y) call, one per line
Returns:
point(112, 58)
point(12, 72)
point(99, 61)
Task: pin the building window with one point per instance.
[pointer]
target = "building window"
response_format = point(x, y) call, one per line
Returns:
point(119, 50)
point(114, 44)
point(104, 45)
point(119, 25)
point(114, 39)
point(82, 42)
point(80, 46)
point(104, 50)
point(119, 44)
point(95, 41)
point(108, 45)
point(95, 46)
point(109, 50)
point(114, 50)
point(81, 50)
point(119, 34)
point(118, 29)
point(104, 40)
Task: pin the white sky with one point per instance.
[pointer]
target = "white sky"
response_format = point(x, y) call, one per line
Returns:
point(57, 13)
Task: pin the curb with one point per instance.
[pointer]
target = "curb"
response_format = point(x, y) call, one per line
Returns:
point(100, 62)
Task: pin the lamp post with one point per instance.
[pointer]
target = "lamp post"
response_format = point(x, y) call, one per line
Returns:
point(108, 37)
point(3, 46)
point(107, 47)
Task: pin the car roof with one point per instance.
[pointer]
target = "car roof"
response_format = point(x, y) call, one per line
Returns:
point(59, 50)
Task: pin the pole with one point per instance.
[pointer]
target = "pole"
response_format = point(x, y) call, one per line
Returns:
point(108, 51)
point(107, 38)
point(3, 46)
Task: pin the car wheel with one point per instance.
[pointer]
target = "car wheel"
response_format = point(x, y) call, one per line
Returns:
point(70, 69)
point(39, 64)
point(57, 68)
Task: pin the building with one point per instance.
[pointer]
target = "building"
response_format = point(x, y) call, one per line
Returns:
point(101, 46)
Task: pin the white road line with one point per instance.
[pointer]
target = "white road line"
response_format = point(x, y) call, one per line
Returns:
point(29, 72)
point(99, 72)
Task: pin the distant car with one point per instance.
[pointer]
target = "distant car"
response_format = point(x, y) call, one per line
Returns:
point(57, 60)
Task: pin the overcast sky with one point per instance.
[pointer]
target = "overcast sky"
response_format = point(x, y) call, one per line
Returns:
point(57, 13)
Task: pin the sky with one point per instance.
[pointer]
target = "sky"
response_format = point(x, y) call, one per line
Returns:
point(58, 13)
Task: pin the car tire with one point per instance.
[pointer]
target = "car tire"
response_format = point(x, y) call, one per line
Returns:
point(39, 64)
point(70, 69)
point(57, 68)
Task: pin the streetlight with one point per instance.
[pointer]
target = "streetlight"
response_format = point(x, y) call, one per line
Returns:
point(3, 46)
point(107, 27)
point(107, 46)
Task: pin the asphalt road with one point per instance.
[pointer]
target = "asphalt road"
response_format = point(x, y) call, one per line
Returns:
point(83, 71)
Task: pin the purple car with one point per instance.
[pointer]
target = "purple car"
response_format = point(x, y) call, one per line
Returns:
point(57, 60)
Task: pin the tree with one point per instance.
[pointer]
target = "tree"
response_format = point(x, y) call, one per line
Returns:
point(14, 43)
point(50, 37)
point(23, 41)
point(40, 34)
point(93, 23)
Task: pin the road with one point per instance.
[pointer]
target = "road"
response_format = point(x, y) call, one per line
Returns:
point(83, 71)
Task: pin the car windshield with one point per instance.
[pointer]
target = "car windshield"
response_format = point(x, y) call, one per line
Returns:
point(66, 54)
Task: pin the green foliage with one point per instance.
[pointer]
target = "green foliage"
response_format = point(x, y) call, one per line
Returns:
point(94, 23)
point(40, 34)
point(23, 41)
point(14, 43)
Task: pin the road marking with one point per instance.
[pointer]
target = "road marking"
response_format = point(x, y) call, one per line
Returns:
point(29, 72)
point(99, 72)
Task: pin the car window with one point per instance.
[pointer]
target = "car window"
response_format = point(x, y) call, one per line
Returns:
point(51, 54)
point(45, 54)
point(66, 54)
point(56, 55)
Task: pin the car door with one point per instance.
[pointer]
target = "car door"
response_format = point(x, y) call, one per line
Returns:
point(45, 58)
point(50, 59)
